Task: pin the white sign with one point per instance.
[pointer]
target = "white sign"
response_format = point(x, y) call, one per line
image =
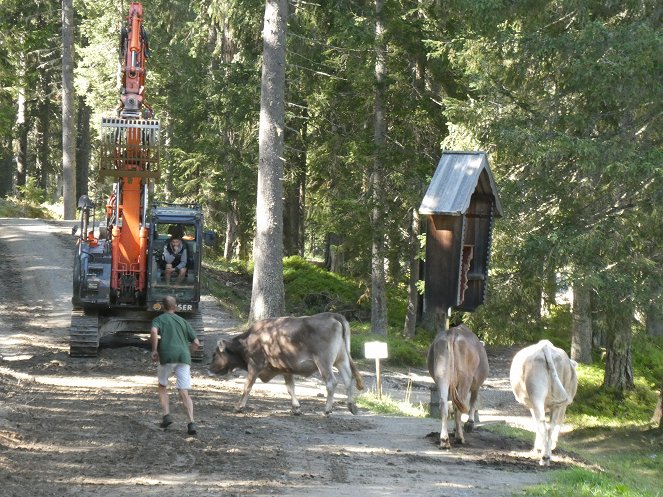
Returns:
point(375, 350)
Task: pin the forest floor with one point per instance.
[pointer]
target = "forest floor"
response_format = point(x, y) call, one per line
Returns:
point(90, 427)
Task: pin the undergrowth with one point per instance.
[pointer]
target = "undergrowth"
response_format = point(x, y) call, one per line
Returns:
point(595, 405)
point(19, 207)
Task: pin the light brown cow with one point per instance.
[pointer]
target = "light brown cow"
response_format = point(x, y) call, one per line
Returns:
point(543, 379)
point(288, 346)
point(458, 363)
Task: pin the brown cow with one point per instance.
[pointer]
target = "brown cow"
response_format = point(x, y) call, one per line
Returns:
point(458, 363)
point(288, 346)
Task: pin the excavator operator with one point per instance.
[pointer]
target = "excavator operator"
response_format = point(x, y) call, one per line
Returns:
point(174, 260)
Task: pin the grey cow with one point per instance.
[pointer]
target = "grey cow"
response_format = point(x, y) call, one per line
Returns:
point(291, 346)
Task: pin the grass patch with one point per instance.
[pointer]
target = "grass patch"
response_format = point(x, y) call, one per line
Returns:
point(17, 207)
point(390, 407)
point(630, 458)
point(584, 483)
point(507, 431)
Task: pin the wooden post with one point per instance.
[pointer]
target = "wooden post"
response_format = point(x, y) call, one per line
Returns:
point(378, 379)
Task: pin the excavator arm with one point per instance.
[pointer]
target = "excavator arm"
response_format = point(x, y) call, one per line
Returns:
point(130, 154)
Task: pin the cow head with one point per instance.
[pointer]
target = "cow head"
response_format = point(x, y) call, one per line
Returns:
point(225, 359)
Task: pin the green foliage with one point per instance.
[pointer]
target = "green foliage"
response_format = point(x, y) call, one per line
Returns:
point(310, 289)
point(31, 193)
point(595, 405)
point(402, 352)
point(648, 358)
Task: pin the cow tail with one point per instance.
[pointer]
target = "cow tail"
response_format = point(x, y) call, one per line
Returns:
point(357, 375)
point(559, 394)
point(359, 380)
point(453, 373)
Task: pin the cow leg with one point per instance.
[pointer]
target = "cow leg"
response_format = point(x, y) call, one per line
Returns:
point(539, 416)
point(473, 415)
point(251, 378)
point(547, 440)
point(346, 377)
point(443, 387)
point(330, 383)
point(290, 385)
point(458, 419)
point(556, 421)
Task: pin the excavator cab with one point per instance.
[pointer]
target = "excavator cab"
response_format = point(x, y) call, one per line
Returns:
point(183, 221)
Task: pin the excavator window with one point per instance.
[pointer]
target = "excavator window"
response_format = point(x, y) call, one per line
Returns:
point(176, 231)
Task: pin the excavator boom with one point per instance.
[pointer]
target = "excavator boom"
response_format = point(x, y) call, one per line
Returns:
point(130, 154)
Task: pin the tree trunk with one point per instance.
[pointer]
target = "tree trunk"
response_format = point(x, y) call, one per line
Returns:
point(654, 320)
point(83, 148)
point(412, 290)
point(599, 332)
point(21, 129)
point(376, 181)
point(267, 297)
point(618, 364)
point(232, 219)
point(657, 418)
point(43, 130)
point(6, 164)
point(68, 118)
point(581, 340)
point(293, 219)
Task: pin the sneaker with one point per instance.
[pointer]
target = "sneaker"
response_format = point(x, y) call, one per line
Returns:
point(166, 422)
point(191, 428)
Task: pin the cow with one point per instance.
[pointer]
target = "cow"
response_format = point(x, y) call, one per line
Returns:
point(290, 346)
point(543, 379)
point(458, 363)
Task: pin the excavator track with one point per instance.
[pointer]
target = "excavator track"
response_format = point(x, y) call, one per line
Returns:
point(195, 319)
point(84, 333)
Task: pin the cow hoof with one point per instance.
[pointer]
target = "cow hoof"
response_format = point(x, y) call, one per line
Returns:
point(296, 411)
point(469, 426)
point(445, 445)
point(239, 409)
point(545, 461)
point(353, 408)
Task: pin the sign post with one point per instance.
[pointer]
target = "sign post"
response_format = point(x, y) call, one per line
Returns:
point(377, 351)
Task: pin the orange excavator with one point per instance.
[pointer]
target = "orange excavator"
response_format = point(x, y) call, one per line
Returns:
point(119, 273)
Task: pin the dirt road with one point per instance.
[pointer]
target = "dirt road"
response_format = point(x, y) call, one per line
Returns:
point(89, 427)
